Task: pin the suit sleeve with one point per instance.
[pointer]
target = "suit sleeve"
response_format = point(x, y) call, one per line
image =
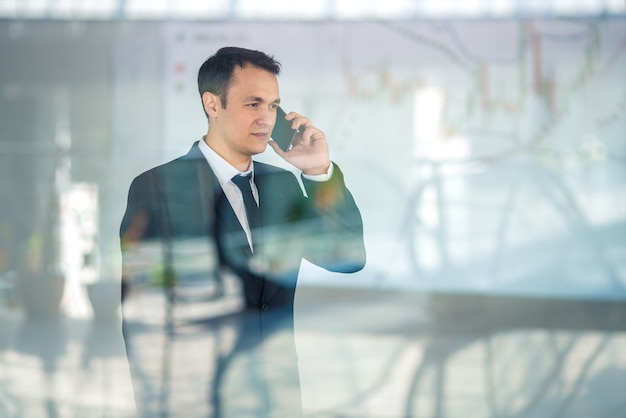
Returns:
point(337, 239)
point(138, 223)
point(139, 226)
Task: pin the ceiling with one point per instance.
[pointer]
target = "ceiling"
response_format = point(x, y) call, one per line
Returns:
point(306, 10)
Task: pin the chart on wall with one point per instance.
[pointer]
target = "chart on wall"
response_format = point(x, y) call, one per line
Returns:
point(484, 155)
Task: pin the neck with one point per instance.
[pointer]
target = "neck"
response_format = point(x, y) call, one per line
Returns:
point(240, 162)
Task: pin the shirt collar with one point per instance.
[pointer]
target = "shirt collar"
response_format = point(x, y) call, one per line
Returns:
point(223, 170)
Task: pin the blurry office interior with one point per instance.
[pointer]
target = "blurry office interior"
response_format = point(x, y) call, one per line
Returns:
point(484, 142)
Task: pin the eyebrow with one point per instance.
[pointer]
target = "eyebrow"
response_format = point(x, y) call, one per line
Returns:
point(259, 99)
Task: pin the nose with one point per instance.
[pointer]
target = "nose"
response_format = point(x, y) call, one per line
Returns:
point(266, 118)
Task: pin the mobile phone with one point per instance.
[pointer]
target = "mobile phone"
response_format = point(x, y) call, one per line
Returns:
point(283, 134)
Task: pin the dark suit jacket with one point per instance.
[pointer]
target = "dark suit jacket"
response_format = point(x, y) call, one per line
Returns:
point(182, 199)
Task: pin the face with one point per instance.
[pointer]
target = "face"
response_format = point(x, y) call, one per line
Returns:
point(243, 129)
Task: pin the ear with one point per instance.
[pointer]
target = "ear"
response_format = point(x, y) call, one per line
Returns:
point(211, 104)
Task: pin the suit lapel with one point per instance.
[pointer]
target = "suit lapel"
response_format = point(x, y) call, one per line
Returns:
point(227, 229)
point(216, 206)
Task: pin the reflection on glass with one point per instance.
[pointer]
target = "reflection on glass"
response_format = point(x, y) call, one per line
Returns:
point(495, 277)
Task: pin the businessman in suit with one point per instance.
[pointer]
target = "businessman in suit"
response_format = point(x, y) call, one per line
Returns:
point(259, 221)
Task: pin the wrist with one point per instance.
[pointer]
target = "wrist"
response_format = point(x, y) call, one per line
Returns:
point(317, 171)
point(320, 177)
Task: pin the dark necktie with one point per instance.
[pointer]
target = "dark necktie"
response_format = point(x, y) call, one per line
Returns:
point(252, 210)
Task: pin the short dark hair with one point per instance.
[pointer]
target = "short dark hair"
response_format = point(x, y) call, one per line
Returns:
point(216, 72)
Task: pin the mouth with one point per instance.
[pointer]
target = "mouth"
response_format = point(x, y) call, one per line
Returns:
point(261, 135)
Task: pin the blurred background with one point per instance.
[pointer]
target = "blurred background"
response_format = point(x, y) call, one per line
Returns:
point(484, 142)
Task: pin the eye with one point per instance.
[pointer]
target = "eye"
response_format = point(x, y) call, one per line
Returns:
point(253, 105)
point(274, 106)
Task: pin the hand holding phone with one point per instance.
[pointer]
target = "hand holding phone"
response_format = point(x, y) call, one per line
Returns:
point(305, 148)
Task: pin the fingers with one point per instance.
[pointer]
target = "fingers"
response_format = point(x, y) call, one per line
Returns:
point(306, 136)
point(298, 120)
point(307, 132)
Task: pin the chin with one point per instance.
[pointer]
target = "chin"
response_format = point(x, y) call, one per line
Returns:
point(260, 149)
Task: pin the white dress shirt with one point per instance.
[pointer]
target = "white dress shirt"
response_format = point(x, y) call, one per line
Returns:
point(225, 172)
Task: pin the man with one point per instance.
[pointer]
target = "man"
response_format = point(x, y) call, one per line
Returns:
point(261, 225)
